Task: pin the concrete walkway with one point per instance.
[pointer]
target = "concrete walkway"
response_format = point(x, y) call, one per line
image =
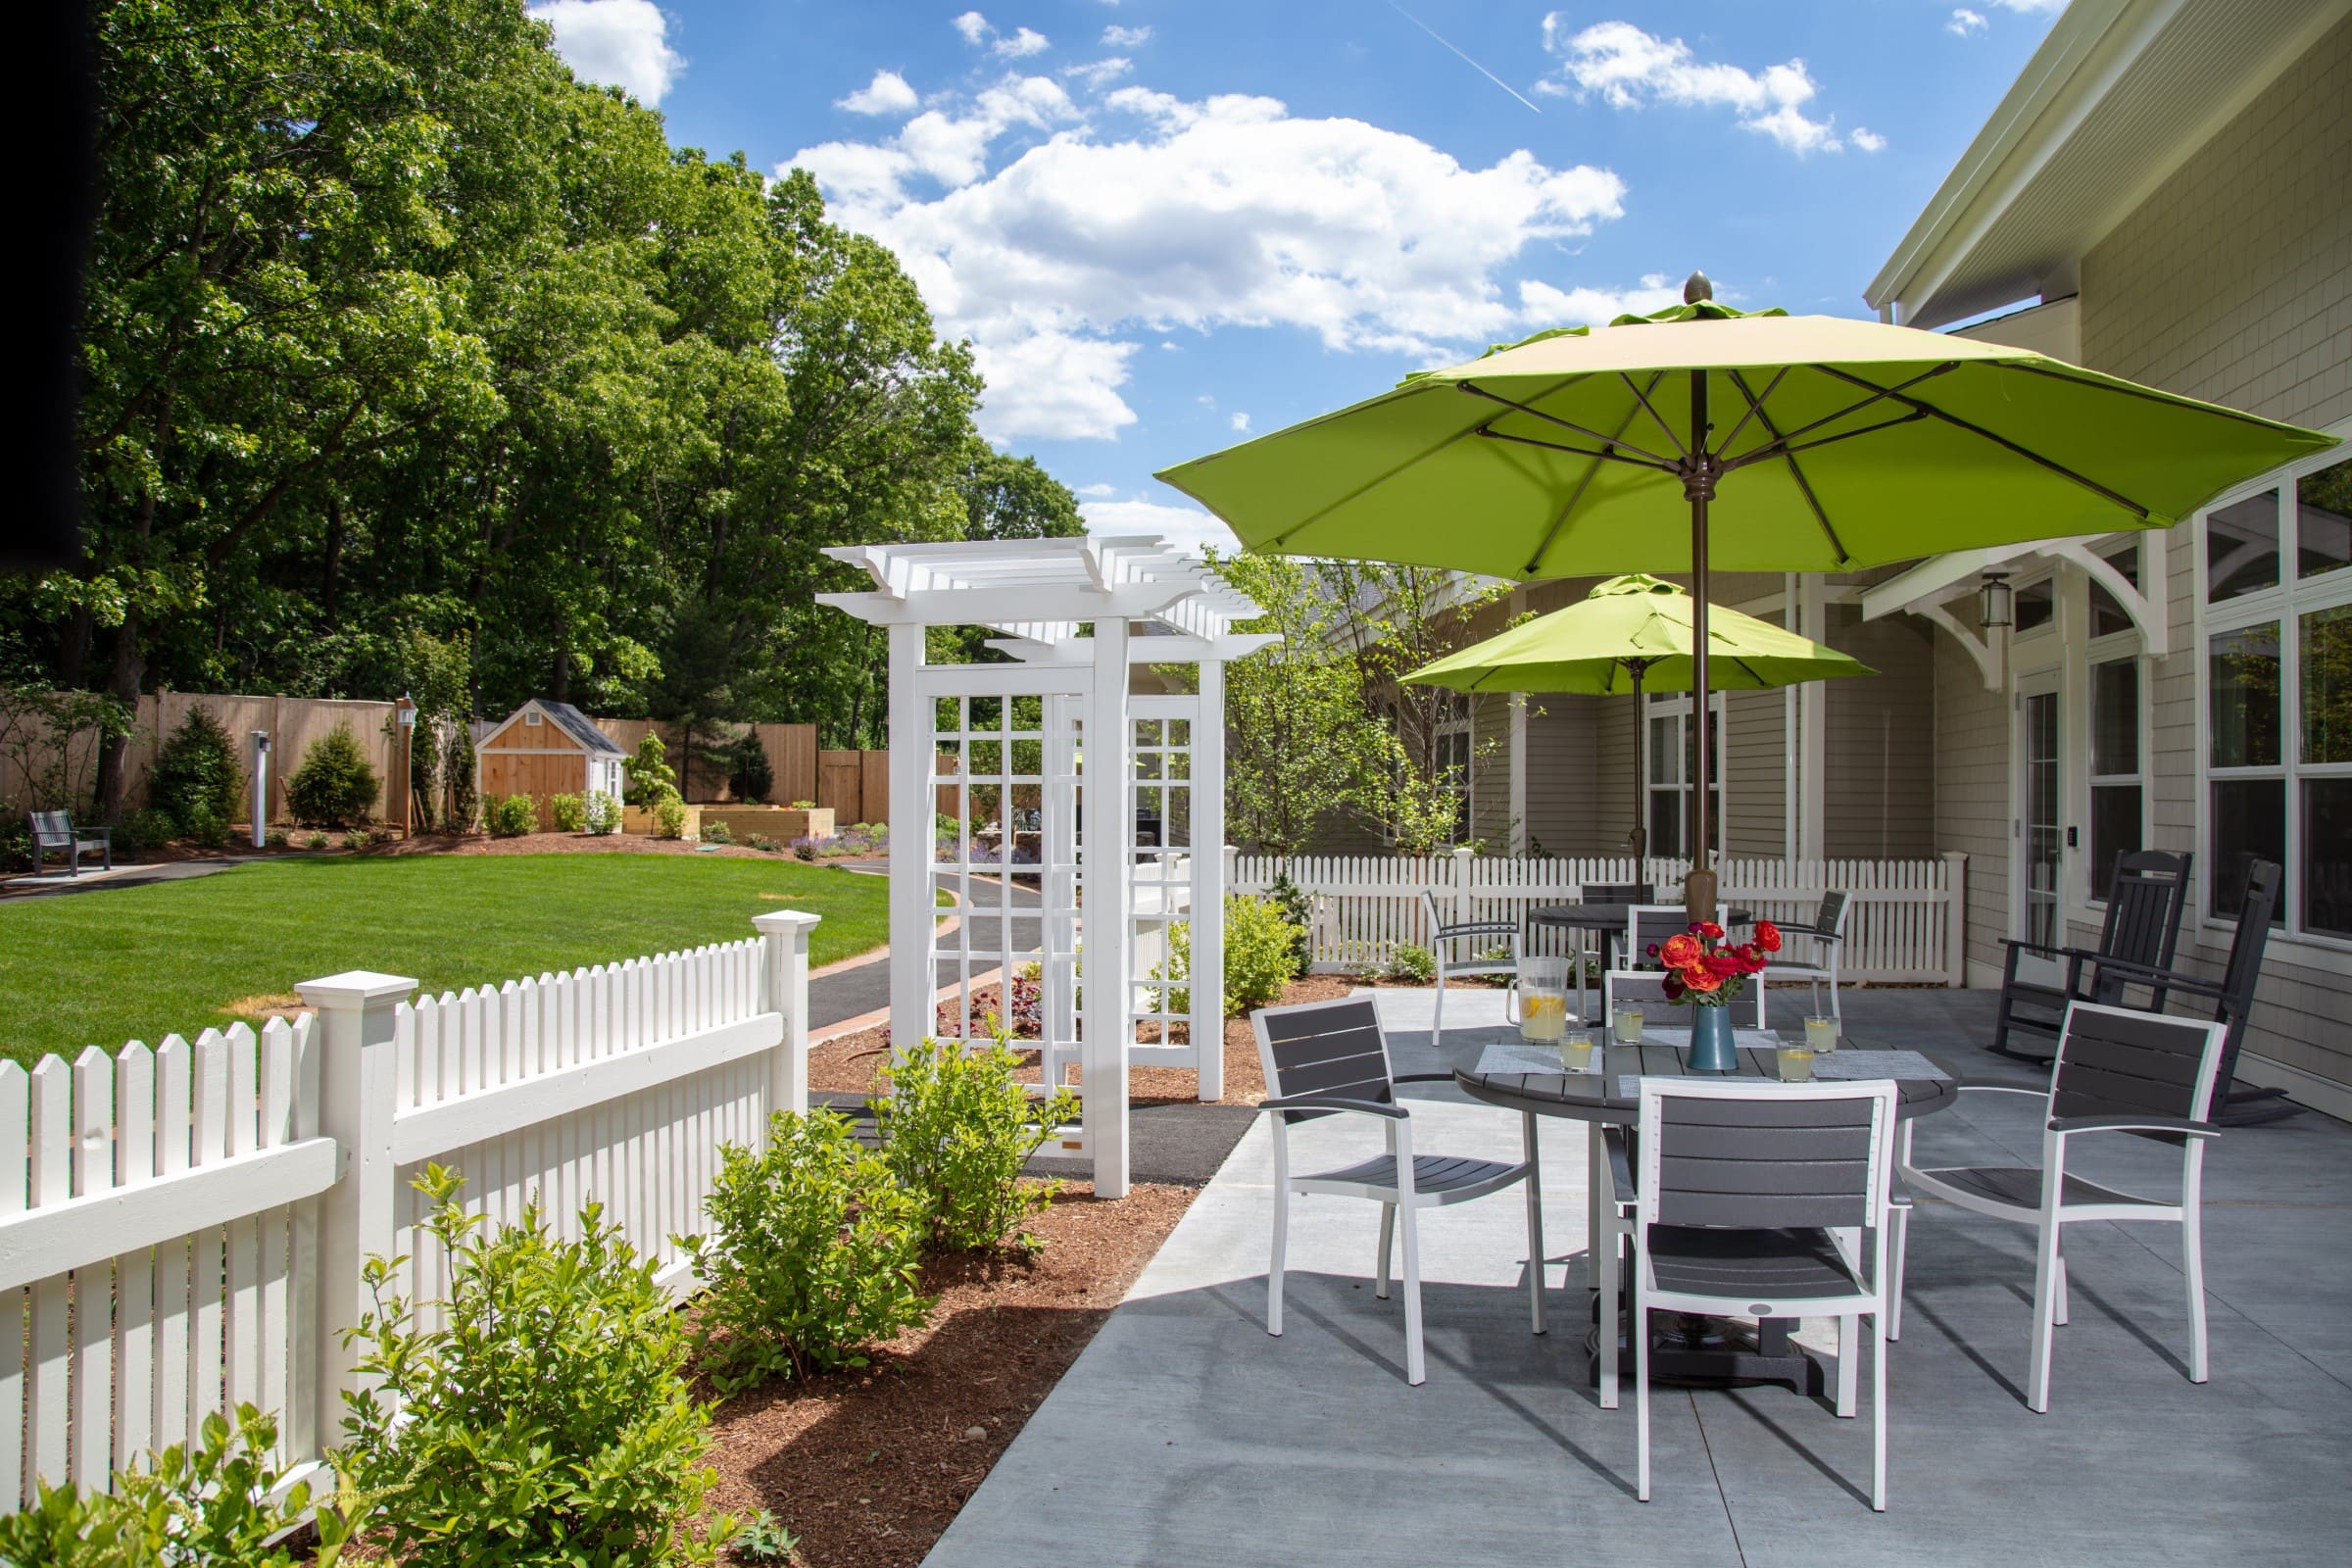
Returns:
point(1185, 1435)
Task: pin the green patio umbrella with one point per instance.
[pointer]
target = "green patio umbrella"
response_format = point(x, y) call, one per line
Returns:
point(1628, 632)
point(1829, 444)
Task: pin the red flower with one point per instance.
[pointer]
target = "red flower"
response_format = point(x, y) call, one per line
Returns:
point(1768, 936)
point(1673, 988)
point(1681, 951)
point(1710, 930)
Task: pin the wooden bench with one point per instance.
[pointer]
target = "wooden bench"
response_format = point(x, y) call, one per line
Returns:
point(54, 832)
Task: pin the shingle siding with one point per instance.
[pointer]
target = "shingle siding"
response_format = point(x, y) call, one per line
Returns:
point(1879, 794)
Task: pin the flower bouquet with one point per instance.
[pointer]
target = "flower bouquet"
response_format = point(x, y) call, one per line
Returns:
point(1711, 973)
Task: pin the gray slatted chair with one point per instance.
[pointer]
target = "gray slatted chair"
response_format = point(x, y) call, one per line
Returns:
point(1761, 1198)
point(2118, 1070)
point(1826, 936)
point(2144, 908)
point(1323, 1057)
point(1650, 925)
point(2230, 999)
point(1602, 945)
point(54, 833)
point(1446, 947)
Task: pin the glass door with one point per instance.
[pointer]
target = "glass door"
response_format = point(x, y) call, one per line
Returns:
point(2040, 833)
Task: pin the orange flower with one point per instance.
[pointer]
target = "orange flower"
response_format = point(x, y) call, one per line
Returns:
point(1701, 979)
point(1681, 951)
point(1768, 936)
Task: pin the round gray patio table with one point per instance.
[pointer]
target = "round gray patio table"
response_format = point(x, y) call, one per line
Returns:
point(1708, 1352)
point(1609, 919)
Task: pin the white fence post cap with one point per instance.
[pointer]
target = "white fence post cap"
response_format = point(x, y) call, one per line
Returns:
point(353, 986)
point(784, 923)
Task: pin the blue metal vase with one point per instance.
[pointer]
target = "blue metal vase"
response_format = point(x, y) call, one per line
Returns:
point(1712, 1045)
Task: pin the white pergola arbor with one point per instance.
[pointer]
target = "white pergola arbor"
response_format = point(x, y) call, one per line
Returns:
point(1014, 748)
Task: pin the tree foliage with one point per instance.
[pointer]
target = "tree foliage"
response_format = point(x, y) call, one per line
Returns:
point(400, 341)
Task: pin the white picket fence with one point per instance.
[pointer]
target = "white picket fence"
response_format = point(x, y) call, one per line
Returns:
point(220, 1196)
point(1905, 918)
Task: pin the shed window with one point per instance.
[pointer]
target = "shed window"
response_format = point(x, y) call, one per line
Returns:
point(531, 717)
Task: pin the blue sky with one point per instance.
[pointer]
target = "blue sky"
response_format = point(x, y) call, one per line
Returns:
point(1166, 224)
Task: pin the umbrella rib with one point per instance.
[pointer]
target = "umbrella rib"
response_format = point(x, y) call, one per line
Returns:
point(1476, 391)
point(1660, 464)
point(1535, 561)
point(1755, 406)
point(1782, 437)
point(1320, 512)
point(1644, 399)
point(1804, 486)
point(2129, 389)
point(1786, 448)
point(2002, 441)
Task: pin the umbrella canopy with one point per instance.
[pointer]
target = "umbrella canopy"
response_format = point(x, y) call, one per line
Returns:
point(1628, 632)
point(1832, 444)
point(1633, 632)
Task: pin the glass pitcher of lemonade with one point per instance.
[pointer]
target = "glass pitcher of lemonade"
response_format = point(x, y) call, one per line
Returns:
point(1538, 1001)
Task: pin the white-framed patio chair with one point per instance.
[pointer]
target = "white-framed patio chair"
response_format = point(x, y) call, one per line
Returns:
point(1640, 979)
point(1446, 944)
point(1326, 1057)
point(1769, 1200)
point(1818, 963)
point(2118, 1070)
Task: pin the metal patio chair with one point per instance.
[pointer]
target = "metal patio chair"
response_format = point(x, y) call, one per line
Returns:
point(1769, 1200)
point(1826, 936)
point(1445, 946)
point(2118, 1070)
point(1325, 1058)
point(2144, 908)
point(2231, 1002)
point(54, 833)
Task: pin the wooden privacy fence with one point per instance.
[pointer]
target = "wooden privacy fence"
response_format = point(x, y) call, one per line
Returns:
point(1905, 918)
point(854, 785)
point(182, 1230)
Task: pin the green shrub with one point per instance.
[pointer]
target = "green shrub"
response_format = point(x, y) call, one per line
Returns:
point(648, 775)
point(812, 1255)
point(358, 838)
point(206, 827)
point(549, 1421)
point(750, 776)
point(275, 838)
point(717, 833)
point(316, 841)
point(510, 817)
point(209, 1507)
point(146, 829)
point(463, 803)
point(764, 1539)
point(761, 842)
point(1287, 896)
point(197, 770)
point(669, 817)
point(1262, 953)
point(568, 813)
point(334, 787)
point(1415, 965)
point(957, 1127)
point(603, 813)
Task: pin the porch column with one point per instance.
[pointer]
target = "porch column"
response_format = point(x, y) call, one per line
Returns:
point(911, 920)
point(1106, 890)
point(1206, 918)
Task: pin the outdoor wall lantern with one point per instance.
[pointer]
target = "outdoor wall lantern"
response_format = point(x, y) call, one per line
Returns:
point(1996, 593)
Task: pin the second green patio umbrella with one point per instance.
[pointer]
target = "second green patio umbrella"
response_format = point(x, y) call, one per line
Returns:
point(1628, 632)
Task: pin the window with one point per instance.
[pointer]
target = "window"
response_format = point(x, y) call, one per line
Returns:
point(530, 717)
point(1669, 766)
point(2278, 673)
point(2117, 789)
point(1456, 748)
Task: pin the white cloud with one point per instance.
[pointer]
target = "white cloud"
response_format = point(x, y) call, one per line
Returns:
point(1067, 255)
point(1629, 69)
point(974, 28)
point(1101, 72)
point(1116, 36)
point(1021, 42)
point(1241, 423)
point(1543, 305)
point(1964, 22)
point(2031, 5)
point(1186, 527)
point(1868, 140)
point(887, 94)
point(623, 42)
point(1098, 492)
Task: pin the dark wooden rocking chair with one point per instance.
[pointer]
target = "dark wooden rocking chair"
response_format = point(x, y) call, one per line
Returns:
point(2144, 908)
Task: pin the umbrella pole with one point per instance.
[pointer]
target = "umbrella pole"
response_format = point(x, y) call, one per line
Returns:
point(1640, 838)
point(1699, 483)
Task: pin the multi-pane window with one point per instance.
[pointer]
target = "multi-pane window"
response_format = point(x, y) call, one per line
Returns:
point(1456, 748)
point(2117, 789)
point(2278, 697)
point(1670, 767)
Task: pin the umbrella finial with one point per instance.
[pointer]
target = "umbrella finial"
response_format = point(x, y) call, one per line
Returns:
point(1696, 287)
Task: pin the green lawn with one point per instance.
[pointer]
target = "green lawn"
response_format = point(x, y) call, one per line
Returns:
point(139, 963)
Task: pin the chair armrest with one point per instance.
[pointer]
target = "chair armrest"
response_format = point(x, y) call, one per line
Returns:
point(1423, 1078)
point(2181, 1125)
point(1477, 928)
point(2003, 1089)
point(1313, 1102)
point(2021, 945)
point(102, 834)
point(1813, 931)
point(2168, 979)
point(1621, 1163)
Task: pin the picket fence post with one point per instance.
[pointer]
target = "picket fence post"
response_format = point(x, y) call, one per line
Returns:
point(784, 988)
point(1955, 918)
point(1461, 886)
point(358, 1018)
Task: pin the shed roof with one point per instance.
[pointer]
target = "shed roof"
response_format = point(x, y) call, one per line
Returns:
point(573, 722)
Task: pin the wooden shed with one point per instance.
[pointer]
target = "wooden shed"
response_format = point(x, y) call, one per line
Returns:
point(544, 748)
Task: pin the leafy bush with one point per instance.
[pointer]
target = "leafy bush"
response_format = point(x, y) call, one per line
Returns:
point(761, 842)
point(811, 1257)
point(209, 1507)
point(334, 787)
point(764, 1539)
point(810, 805)
point(805, 848)
point(358, 838)
point(602, 814)
point(669, 817)
point(510, 817)
point(750, 774)
point(648, 776)
point(957, 1127)
point(549, 1422)
point(206, 827)
point(463, 804)
point(717, 833)
point(1298, 909)
point(568, 813)
point(1262, 953)
point(146, 829)
point(275, 838)
point(196, 771)
point(1414, 964)
point(316, 841)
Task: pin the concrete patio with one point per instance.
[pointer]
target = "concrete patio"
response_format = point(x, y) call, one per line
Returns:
point(1185, 1435)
